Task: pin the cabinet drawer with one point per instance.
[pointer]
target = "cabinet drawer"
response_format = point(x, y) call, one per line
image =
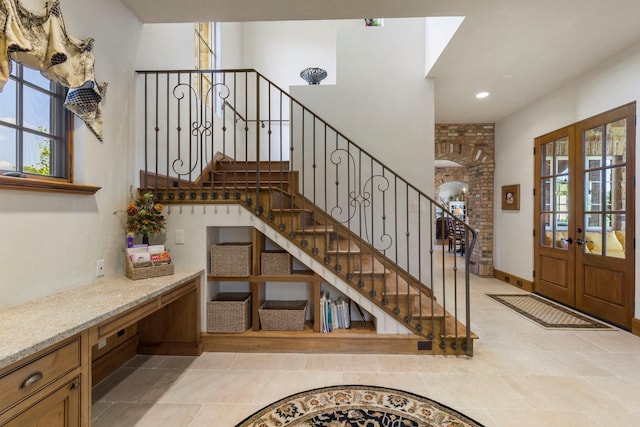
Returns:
point(127, 318)
point(27, 379)
point(173, 295)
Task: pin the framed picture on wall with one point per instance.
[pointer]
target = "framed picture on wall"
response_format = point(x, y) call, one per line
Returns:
point(511, 197)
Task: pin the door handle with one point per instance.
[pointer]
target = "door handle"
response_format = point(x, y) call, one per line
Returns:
point(579, 242)
point(568, 240)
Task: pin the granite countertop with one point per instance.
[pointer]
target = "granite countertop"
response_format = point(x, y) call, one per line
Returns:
point(30, 327)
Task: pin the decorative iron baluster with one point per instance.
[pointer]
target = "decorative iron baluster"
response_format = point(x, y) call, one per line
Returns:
point(146, 130)
point(408, 237)
point(167, 157)
point(292, 232)
point(301, 220)
point(396, 311)
point(270, 185)
point(281, 226)
point(315, 204)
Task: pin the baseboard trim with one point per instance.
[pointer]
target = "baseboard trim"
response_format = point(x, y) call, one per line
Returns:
point(635, 326)
point(316, 343)
point(518, 282)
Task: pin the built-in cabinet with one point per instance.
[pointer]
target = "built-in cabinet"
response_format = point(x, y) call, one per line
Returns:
point(44, 389)
point(302, 283)
point(52, 387)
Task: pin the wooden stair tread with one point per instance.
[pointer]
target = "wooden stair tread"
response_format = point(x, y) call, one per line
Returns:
point(264, 165)
point(273, 184)
point(392, 284)
point(369, 264)
point(438, 310)
point(291, 210)
point(264, 186)
point(451, 324)
point(427, 314)
point(242, 178)
point(343, 247)
point(317, 229)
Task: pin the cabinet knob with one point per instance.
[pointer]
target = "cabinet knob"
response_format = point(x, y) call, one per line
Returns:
point(31, 379)
point(74, 385)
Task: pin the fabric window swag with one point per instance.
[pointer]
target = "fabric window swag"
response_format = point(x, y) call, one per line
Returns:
point(39, 40)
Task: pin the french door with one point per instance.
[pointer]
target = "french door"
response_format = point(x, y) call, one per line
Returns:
point(584, 215)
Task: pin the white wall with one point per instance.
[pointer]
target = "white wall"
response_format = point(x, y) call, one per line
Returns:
point(280, 50)
point(166, 46)
point(614, 83)
point(51, 241)
point(382, 100)
point(231, 45)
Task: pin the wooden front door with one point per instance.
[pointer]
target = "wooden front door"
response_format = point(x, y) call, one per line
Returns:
point(584, 251)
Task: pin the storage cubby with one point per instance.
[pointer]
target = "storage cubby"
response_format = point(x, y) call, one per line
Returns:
point(294, 284)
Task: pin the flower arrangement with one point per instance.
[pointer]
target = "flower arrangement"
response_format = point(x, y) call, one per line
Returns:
point(144, 215)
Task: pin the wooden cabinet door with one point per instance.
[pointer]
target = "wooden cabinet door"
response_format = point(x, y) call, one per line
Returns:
point(60, 408)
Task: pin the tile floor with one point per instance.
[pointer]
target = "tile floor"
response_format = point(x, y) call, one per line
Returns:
point(520, 375)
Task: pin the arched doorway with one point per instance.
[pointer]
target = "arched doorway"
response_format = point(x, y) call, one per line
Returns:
point(472, 147)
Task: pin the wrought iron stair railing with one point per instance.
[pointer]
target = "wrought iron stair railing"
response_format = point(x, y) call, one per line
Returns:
point(241, 139)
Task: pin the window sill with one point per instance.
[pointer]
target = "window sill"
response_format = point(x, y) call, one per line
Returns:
point(30, 184)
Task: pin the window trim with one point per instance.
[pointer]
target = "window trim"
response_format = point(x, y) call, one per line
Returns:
point(30, 184)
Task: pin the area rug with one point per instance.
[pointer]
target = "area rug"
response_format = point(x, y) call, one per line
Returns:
point(357, 406)
point(547, 313)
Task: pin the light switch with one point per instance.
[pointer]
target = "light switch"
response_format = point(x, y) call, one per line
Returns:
point(179, 237)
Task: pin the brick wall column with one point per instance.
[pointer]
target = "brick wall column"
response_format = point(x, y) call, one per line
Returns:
point(472, 146)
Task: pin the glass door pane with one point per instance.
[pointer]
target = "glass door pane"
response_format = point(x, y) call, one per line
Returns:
point(605, 189)
point(554, 197)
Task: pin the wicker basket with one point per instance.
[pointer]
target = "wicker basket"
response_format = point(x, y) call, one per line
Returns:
point(282, 315)
point(231, 259)
point(148, 269)
point(229, 312)
point(275, 263)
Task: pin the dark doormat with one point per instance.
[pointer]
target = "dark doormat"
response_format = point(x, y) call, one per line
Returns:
point(547, 313)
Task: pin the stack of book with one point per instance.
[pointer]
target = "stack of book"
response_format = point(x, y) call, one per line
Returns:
point(335, 314)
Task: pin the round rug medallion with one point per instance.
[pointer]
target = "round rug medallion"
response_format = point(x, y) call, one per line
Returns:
point(357, 405)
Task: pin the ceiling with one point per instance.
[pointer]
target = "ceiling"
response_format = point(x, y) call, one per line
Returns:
point(517, 50)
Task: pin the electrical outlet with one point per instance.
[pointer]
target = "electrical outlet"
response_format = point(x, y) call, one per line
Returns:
point(100, 268)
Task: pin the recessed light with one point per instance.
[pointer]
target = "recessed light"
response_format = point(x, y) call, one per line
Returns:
point(481, 95)
point(506, 76)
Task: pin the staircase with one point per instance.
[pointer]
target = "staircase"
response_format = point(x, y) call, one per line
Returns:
point(322, 193)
